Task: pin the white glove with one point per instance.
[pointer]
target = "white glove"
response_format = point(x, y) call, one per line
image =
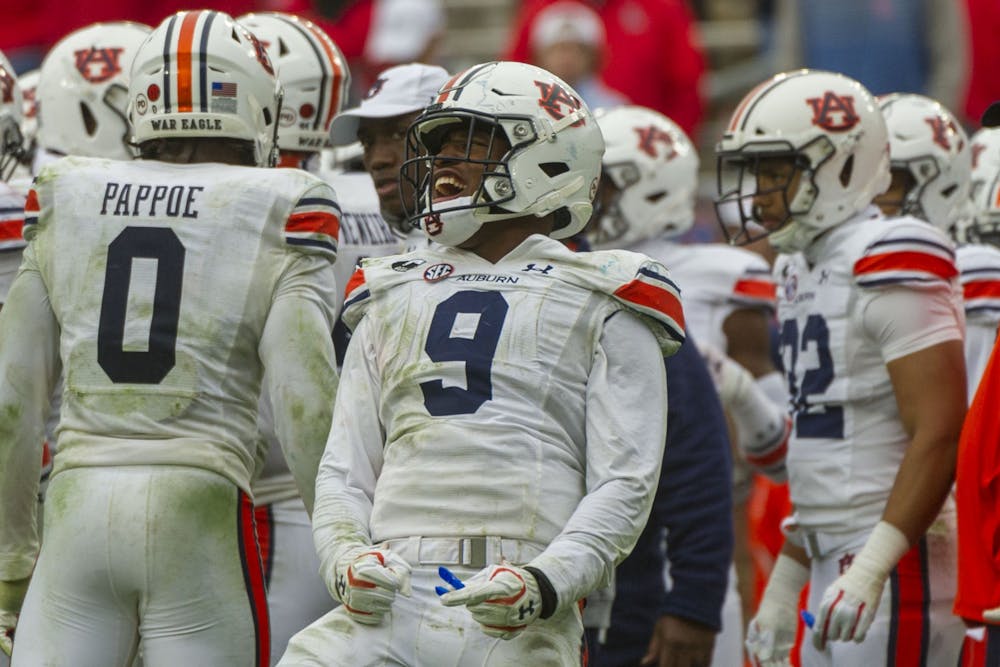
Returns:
point(503, 598)
point(771, 633)
point(11, 598)
point(366, 582)
point(849, 604)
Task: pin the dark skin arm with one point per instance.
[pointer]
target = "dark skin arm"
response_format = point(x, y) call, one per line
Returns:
point(748, 340)
point(678, 642)
point(930, 391)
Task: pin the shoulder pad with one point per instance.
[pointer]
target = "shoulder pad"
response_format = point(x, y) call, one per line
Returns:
point(642, 285)
point(313, 224)
point(980, 278)
point(375, 275)
point(908, 252)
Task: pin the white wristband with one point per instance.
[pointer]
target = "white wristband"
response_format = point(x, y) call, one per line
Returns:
point(885, 546)
point(785, 584)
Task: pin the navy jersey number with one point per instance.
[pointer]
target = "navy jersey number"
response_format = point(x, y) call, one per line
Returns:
point(476, 351)
point(149, 366)
point(811, 422)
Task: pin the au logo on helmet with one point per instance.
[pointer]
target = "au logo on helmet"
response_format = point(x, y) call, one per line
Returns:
point(942, 129)
point(98, 64)
point(650, 136)
point(552, 99)
point(834, 112)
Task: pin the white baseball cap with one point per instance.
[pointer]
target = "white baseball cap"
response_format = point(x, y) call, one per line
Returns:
point(396, 91)
point(402, 30)
point(567, 22)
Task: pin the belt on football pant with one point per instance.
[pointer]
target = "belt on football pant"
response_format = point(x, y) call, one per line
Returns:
point(473, 552)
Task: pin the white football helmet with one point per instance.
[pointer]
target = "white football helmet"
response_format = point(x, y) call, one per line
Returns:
point(200, 74)
point(553, 164)
point(82, 92)
point(654, 168)
point(984, 152)
point(313, 73)
point(11, 139)
point(928, 142)
point(985, 224)
point(830, 126)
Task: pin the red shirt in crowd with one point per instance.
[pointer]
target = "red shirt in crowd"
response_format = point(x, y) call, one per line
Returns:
point(653, 55)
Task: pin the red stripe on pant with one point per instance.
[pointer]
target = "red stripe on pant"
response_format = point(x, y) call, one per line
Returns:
point(253, 575)
point(909, 629)
point(264, 521)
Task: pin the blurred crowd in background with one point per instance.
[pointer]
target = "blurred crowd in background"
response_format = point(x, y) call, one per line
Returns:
point(690, 59)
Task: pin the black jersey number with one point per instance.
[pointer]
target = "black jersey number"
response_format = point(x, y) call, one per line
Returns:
point(148, 366)
point(477, 351)
point(811, 421)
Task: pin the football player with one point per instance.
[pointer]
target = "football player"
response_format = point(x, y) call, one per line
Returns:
point(871, 316)
point(379, 123)
point(164, 288)
point(646, 199)
point(496, 420)
point(931, 161)
point(82, 93)
point(11, 153)
point(315, 78)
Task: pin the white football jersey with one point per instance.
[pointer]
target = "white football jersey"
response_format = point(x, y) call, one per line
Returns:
point(979, 267)
point(171, 287)
point(11, 240)
point(837, 334)
point(482, 401)
point(715, 280)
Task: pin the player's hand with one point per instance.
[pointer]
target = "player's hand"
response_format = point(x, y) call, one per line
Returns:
point(992, 615)
point(503, 598)
point(848, 607)
point(771, 633)
point(678, 642)
point(849, 604)
point(11, 598)
point(771, 636)
point(367, 580)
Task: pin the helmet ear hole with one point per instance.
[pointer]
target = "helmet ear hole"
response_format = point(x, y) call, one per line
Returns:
point(282, 47)
point(89, 122)
point(846, 171)
point(561, 218)
point(553, 169)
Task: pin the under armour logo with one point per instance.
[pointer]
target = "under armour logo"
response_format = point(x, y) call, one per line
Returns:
point(834, 112)
point(845, 562)
point(342, 585)
point(528, 610)
point(532, 267)
point(554, 97)
point(824, 275)
point(98, 64)
point(650, 136)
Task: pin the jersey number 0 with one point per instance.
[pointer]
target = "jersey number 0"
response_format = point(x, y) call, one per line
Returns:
point(148, 366)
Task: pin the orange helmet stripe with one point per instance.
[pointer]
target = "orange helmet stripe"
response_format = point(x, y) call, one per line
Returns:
point(185, 78)
point(337, 79)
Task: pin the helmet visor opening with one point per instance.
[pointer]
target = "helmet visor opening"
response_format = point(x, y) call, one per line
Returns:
point(756, 191)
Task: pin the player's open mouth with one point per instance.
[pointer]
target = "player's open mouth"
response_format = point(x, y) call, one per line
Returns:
point(447, 186)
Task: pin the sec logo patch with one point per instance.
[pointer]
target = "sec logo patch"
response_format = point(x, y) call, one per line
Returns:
point(438, 272)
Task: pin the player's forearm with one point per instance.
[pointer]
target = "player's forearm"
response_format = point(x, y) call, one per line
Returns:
point(600, 533)
point(923, 482)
